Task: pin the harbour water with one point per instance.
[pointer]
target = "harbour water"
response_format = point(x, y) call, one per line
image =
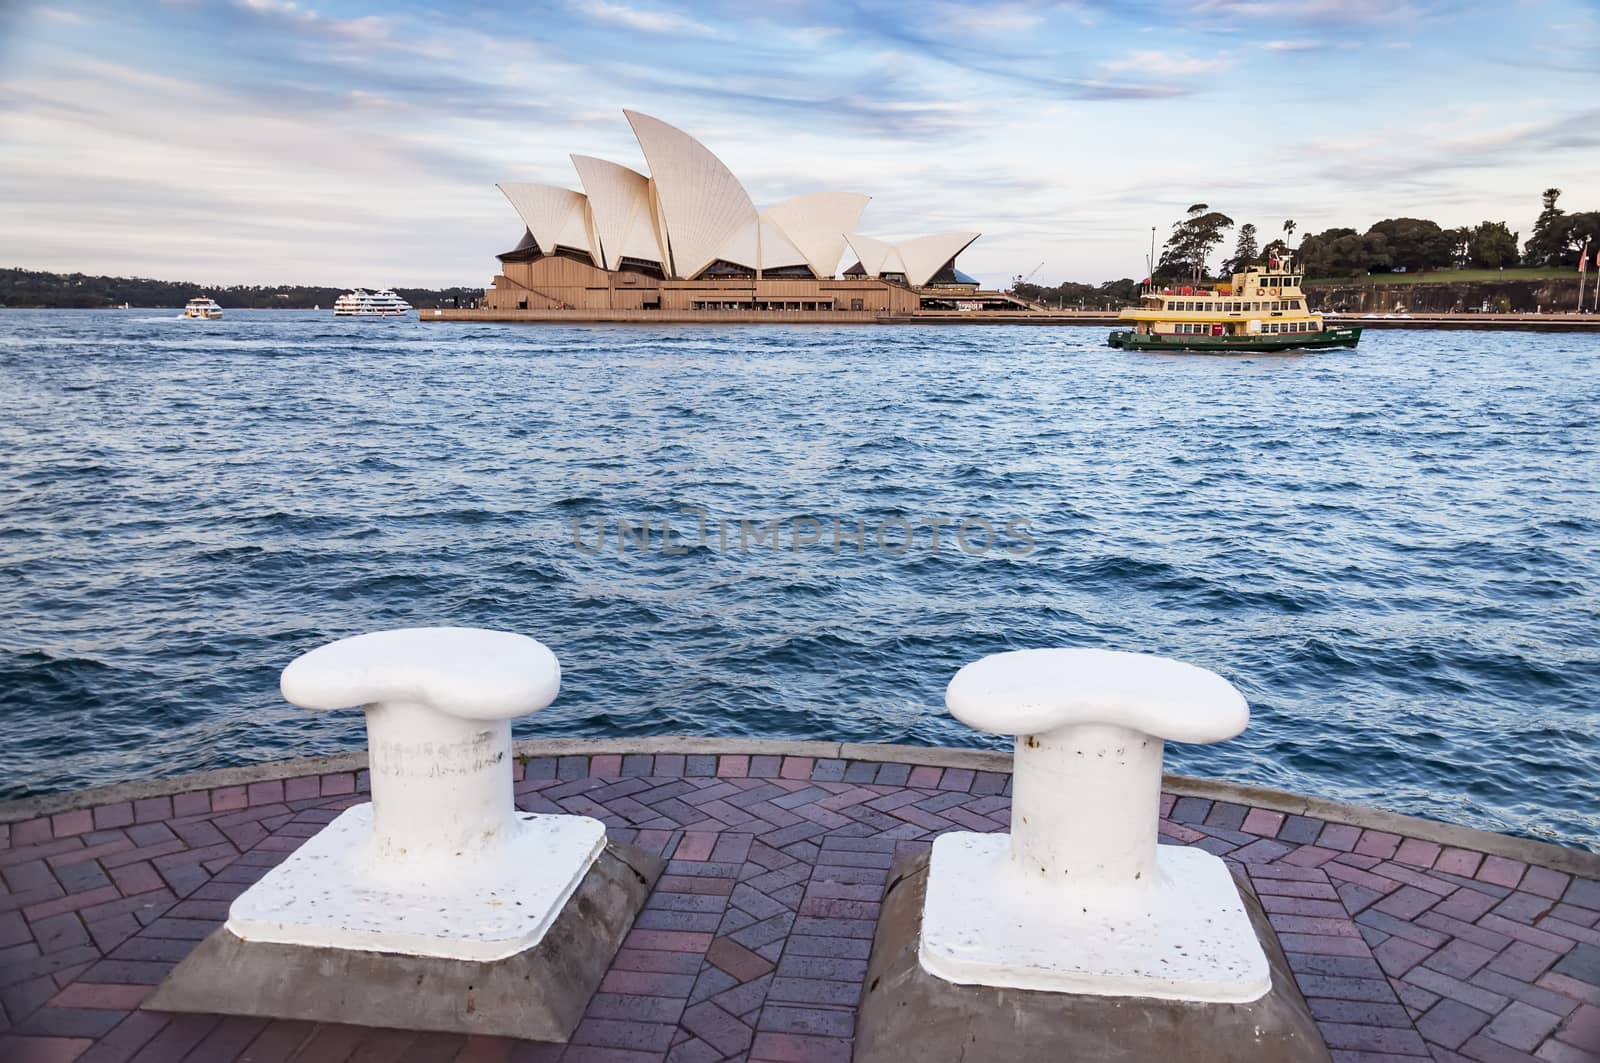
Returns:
point(1392, 551)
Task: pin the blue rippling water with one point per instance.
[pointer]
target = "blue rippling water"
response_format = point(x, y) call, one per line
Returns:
point(1392, 551)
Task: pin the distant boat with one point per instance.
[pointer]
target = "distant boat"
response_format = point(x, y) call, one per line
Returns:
point(202, 306)
point(363, 303)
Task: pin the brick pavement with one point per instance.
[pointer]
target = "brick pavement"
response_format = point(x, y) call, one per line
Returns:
point(755, 942)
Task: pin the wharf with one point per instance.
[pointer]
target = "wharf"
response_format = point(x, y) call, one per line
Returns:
point(1478, 322)
point(1410, 939)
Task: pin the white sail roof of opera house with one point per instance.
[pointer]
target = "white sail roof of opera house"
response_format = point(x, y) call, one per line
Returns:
point(692, 213)
point(918, 260)
point(619, 199)
point(557, 217)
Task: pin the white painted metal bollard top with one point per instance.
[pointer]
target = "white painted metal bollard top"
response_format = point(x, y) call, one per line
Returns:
point(440, 863)
point(1079, 897)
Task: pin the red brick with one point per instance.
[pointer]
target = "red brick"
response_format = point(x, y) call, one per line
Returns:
point(614, 1033)
point(717, 1028)
point(1450, 1023)
point(72, 903)
point(269, 792)
point(797, 767)
point(107, 817)
point(646, 983)
point(1463, 862)
point(133, 879)
point(1340, 836)
point(228, 798)
point(1501, 871)
point(695, 845)
point(799, 1048)
point(100, 995)
point(654, 961)
point(1582, 1028)
point(667, 940)
point(17, 1049)
point(302, 788)
point(1263, 822)
point(194, 803)
point(152, 809)
point(31, 832)
point(1417, 853)
point(1546, 883)
point(925, 777)
point(129, 1035)
point(1378, 843)
point(65, 824)
point(339, 783)
point(605, 766)
point(1570, 987)
point(731, 766)
point(735, 959)
point(1310, 856)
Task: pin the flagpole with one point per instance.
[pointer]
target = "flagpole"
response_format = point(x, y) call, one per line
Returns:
point(1583, 258)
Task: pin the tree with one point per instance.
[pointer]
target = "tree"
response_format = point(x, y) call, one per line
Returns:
point(1548, 241)
point(1288, 231)
point(1192, 241)
point(1492, 246)
point(1415, 243)
point(1320, 255)
point(1245, 251)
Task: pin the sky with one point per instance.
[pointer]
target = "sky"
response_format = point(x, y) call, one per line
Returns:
point(343, 143)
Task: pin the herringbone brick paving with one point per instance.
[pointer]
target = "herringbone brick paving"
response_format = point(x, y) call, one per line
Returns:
point(754, 944)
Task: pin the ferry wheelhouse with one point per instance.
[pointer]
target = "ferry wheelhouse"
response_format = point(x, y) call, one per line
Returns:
point(1263, 309)
point(202, 306)
point(363, 303)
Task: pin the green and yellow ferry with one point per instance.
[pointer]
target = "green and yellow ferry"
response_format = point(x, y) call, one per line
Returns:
point(1263, 310)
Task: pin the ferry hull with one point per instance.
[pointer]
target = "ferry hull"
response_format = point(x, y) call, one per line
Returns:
point(1339, 336)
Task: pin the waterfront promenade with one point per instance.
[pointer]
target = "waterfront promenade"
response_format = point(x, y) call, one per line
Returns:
point(1410, 939)
point(1473, 322)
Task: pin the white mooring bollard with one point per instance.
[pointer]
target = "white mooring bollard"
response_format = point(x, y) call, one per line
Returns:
point(440, 863)
point(1079, 898)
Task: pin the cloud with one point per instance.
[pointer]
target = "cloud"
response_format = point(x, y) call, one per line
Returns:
point(997, 19)
point(1294, 46)
point(1163, 64)
point(641, 21)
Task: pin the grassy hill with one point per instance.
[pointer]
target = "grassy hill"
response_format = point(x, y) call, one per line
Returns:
point(1449, 276)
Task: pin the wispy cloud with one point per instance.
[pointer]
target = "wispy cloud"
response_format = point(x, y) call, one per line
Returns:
point(1163, 64)
point(346, 140)
point(642, 20)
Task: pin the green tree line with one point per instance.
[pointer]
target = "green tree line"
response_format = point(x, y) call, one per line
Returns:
point(1391, 245)
point(29, 287)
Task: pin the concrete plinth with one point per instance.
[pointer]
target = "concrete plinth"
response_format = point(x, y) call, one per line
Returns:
point(538, 994)
point(909, 1013)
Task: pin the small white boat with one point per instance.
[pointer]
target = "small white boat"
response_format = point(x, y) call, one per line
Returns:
point(202, 306)
point(363, 303)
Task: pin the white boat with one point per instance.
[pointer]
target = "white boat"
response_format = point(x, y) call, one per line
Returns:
point(363, 303)
point(202, 306)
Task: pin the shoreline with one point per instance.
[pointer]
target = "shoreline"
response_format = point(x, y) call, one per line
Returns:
point(1473, 322)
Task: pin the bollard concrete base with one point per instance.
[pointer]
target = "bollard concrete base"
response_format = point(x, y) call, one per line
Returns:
point(539, 994)
point(908, 1013)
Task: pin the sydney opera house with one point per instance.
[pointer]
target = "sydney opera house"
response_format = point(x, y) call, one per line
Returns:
point(687, 243)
